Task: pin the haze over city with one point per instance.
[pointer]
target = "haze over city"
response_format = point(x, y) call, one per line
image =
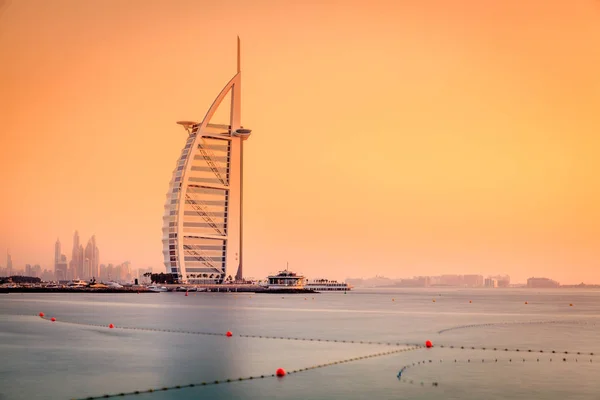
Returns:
point(418, 138)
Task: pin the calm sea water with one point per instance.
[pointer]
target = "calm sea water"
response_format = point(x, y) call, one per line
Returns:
point(46, 360)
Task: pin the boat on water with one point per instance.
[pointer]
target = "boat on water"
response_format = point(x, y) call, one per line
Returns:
point(52, 286)
point(78, 283)
point(325, 285)
point(189, 289)
point(155, 288)
point(9, 286)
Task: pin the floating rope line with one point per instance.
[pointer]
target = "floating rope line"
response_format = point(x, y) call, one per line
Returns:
point(246, 336)
point(515, 323)
point(401, 378)
point(513, 350)
point(406, 367)
point(218, 382)
point(321, 340)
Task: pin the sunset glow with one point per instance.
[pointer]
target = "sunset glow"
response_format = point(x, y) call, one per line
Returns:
point(391, 138)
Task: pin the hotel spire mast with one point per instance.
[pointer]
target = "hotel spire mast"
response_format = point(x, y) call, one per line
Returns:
point(239, 274)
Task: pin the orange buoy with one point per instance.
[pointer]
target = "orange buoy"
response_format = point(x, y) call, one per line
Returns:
point(526, 303)
point(433, 300)
point(229, 334)
point(42, 314)
point(52, 319)
point(428, 344)
point(111, 326)
point(393, 299)
point(280, 372)
point(571, 305)
point(470, 301)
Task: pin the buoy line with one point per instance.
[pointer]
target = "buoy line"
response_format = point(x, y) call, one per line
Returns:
point(281, 373)
point(218, 382)
point(506, 349)
point(406, 367)
point(514, 323)
point(229, 334)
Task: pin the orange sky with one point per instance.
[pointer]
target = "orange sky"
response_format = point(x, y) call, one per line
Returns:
point(389, 137)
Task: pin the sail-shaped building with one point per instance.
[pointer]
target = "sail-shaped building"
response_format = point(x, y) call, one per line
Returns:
point(202, 222)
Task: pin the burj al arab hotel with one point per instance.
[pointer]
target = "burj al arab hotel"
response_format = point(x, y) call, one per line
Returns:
point(202, 222)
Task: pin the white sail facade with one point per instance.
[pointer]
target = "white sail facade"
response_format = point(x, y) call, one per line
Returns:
point(202, 222)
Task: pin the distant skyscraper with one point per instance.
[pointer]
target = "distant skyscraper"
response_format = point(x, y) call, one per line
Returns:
point(80, 261)
point(202, 222)
point(87, 269)
point(110, 272)
point(126, 271)
point(91, 259)
point(57, 249)
point(57, 253)
point(47, 276)
point(60, 269)
point(60, 263)
point(102, 273)
point(76, 265)
point(9, 264)
point(542, 283)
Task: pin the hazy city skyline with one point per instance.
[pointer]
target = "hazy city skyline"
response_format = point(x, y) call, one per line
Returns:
point(124, 273)
point(80, 267)
point(396, 139)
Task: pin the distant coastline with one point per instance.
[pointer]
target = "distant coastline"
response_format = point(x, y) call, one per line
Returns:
point(143, 289)
point(74, 290)
point(473, 281)
point(580, 286)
